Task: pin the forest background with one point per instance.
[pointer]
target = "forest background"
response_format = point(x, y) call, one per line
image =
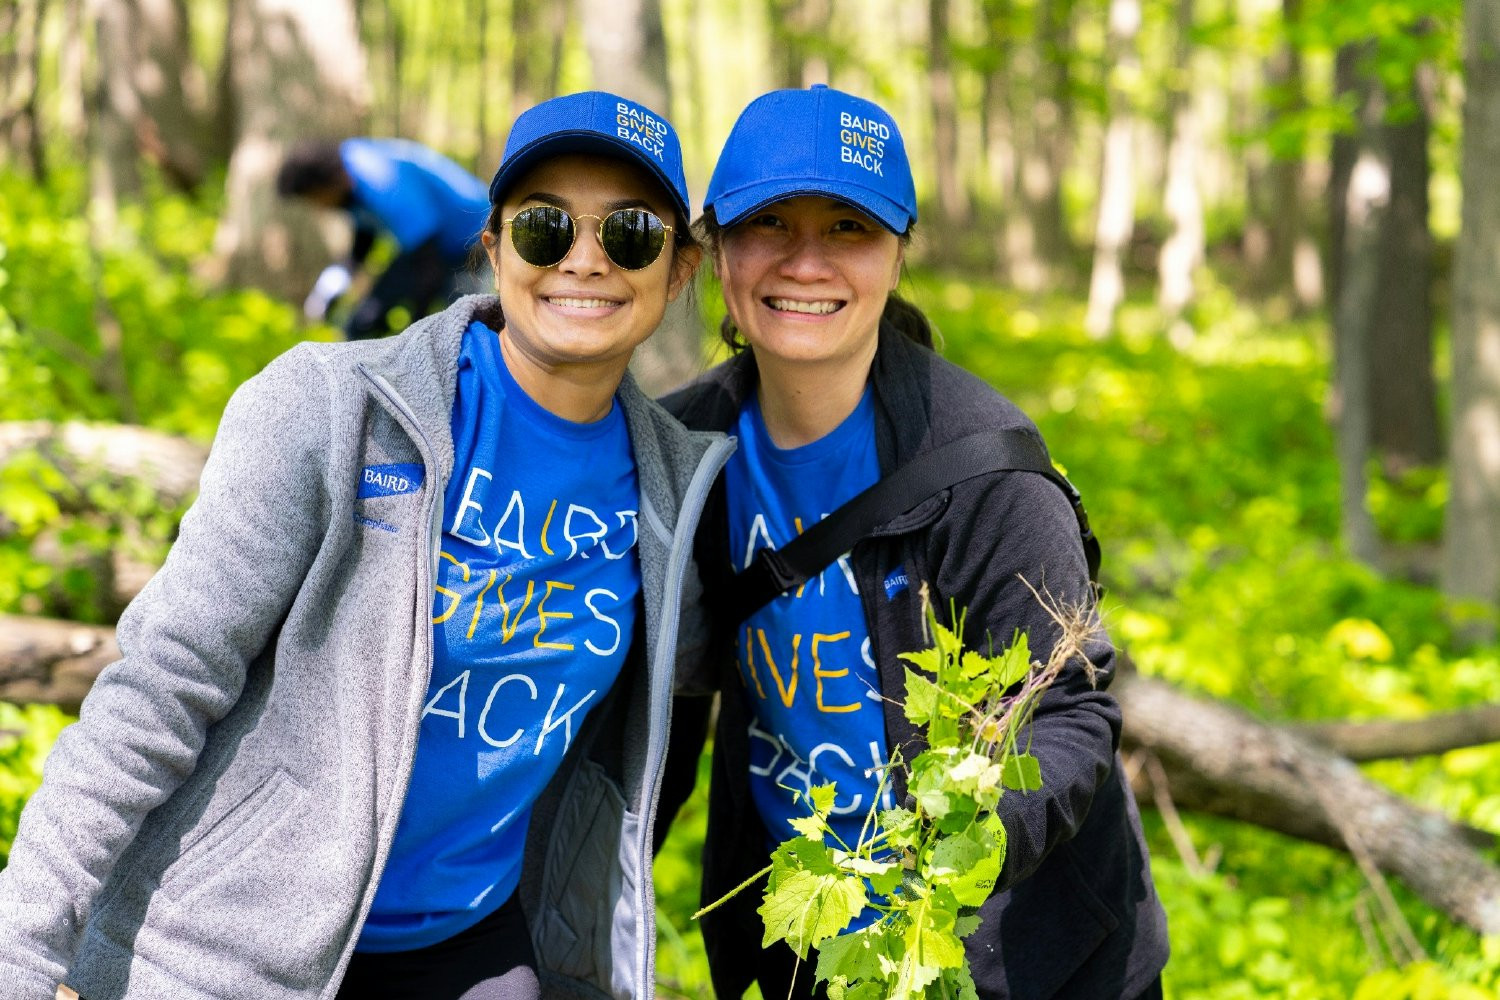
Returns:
point(1237, 257)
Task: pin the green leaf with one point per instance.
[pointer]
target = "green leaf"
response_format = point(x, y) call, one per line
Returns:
point(968, 864)
point(959, 983)
point(912, 978)
point(854, 956)
point(1012, 665)
point(974, 773)
point(922, 698)
point(975, 665)
point(930, 937)
point(861, 866)
point(823, 798)
point(806, 854)
point(805, 908)
point(1023, 773)
point(928, 659)
point(810, 827)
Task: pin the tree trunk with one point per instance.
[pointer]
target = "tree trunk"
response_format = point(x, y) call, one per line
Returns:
point(154, 84)
point(1036, 248)
point(52, 661)
point(1294, 260)
point(537, 31)
point(113, 157)
point(627, 47)
point(1403, 389)
point(1365, 207)
point(72, 88)
point(1386, 739)
point(297, 70)
point(1397, 322)
point(1471, 540)
point(1220, 760)
point(798, 28)
point(1183, 251)
point(83, 453)
point(1116, 219)
point(20, 75)
point(998, 125)
point(952, 199)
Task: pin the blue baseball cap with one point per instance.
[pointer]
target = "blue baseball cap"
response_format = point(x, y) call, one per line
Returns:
point(599, 123)
point(818, 141)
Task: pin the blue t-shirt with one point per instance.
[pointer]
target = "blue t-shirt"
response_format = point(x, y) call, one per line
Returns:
point(417, 194)
point(533, 614)
point(804, 659)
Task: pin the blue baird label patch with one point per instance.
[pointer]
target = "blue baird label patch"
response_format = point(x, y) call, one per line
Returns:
point(896, 583)
point(390, 480)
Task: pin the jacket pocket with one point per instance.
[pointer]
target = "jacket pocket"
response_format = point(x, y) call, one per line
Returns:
point(587, 926)
point(233, 837)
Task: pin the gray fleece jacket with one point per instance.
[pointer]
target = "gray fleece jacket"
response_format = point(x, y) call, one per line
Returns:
point(217, 821)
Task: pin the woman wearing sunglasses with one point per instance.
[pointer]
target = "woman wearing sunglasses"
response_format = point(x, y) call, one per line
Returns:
point(390, 721)
point(807, 217)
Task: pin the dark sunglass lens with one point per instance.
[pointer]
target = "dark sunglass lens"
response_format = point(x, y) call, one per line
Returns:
point(542, 236)
point(633, 238)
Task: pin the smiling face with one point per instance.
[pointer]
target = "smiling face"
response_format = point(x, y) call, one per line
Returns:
point(583, 316)
point(806, 279)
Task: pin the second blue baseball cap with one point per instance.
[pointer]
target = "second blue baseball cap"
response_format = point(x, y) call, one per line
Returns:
point(818, 141)
point(593, 122)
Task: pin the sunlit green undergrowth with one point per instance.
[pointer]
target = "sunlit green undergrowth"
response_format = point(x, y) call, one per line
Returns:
point(183, 346)
point(180, 349)
point(27, 733)
point(1209, 471)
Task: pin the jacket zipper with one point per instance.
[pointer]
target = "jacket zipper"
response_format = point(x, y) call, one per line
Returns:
point(403, 415)
point(661, 689)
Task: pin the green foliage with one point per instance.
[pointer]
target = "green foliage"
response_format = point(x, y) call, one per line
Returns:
point(1208, 472)
point(182, 349)
point(26, 735)
point(927, 864)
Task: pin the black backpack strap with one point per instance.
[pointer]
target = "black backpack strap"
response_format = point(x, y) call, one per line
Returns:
point(774, 571)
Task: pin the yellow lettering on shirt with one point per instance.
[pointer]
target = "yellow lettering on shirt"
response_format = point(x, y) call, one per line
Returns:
point(788, 691)
point(819, 673)
point(547, 523)
point(542, 614)
point(749, 648)
point(479, 605)
point(508, 630)
point(452, 595)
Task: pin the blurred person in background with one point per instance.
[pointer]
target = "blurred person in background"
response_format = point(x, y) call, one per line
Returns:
point(428, 204)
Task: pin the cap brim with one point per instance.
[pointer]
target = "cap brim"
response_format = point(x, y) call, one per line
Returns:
point(583, 141)
point(730, 209)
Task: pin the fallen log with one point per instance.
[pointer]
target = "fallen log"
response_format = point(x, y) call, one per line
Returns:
point(112, 455)
point(1219, 759)
point(1387, 739)
point(52, 661)
point(169, 464)
point(1214, 758)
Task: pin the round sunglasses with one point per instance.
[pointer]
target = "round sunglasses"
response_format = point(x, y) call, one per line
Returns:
point(543, 236)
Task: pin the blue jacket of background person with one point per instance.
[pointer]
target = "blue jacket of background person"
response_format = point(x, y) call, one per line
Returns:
point(415, 194)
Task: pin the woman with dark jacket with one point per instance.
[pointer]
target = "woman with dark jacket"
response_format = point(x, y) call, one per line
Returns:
point(807, 217)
